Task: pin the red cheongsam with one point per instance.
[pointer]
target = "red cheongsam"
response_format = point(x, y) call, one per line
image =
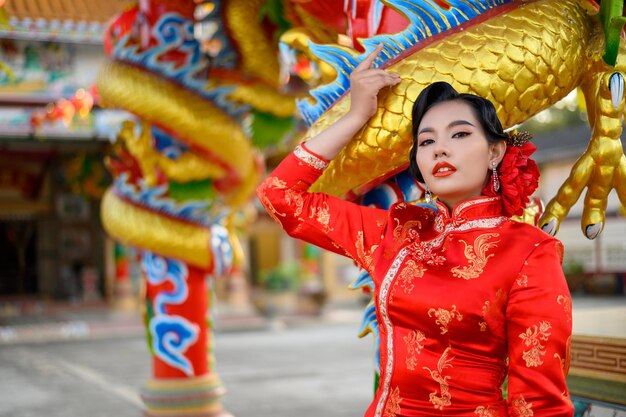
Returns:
point(462, 299)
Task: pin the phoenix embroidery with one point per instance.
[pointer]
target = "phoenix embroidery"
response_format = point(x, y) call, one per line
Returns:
point(393, 404)
point(437, 374)
point(477, 256)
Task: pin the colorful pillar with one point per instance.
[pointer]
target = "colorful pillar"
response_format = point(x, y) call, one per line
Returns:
point(180, 341)
point(124, 298)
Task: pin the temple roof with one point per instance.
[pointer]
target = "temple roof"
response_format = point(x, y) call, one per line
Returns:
point(80, 21)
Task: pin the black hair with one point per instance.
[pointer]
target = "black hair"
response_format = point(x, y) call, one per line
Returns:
point(440, 92)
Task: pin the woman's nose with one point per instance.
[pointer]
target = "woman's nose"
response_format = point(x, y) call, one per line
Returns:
point(440, 149)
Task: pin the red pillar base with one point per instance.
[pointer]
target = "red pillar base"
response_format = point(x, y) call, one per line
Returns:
point(188, 397)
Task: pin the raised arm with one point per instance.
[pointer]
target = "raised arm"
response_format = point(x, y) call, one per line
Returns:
point(317, 218)
point(365, 83)
point(539, 329)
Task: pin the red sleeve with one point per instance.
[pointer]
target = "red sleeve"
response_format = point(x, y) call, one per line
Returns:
point(331, 223)
point(539, 330)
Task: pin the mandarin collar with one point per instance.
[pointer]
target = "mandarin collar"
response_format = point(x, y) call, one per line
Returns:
point(472, 208)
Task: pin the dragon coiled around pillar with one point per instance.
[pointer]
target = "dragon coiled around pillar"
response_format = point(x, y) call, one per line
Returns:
point(523, 55)
point(198, 82)
point(187, 157)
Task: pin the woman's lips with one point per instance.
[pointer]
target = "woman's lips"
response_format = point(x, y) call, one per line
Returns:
point(443, 169)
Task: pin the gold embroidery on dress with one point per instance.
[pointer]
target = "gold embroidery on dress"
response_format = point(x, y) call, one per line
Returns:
point(476, 256)
point(413, 347)
point(380, 221)
point(384, 293)
point(445, 399)
point(466, 204)
point(565, 362)
point(560, 251)
point(532, 338)
point(486, 412)
point(402, 233)
point(444, 317)
point(521, 408)
point(438, 226)
point(423, 251)
point(322, 215)
point(411, 270)
point(522, 281)
point(404, 230)
point(336, 246)
point(393, 404)
point(272, 182)
point(367, 257)
point(308, 158)
point(449, 228)
point(492, 311)
point(294, 198)
point(566, 302)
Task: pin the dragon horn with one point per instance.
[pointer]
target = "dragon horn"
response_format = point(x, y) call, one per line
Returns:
point(612, 21)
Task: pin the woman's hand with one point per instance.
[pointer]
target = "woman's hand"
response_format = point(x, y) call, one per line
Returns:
point(365, 83)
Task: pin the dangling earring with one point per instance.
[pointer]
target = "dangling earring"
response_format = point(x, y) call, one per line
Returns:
point(428, 196)
point(496, 180)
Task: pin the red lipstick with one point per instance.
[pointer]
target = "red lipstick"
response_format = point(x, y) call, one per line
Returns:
point(449, 171)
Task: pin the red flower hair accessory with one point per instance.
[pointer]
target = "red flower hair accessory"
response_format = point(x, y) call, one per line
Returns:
point(518, 174)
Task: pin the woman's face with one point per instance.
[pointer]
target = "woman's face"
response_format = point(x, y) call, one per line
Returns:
point(453, 154)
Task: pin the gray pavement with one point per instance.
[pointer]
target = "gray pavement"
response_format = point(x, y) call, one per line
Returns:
point(306, 370)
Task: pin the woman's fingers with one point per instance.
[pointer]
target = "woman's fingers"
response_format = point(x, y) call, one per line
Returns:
point(367, 81)
point(377, 74)
point(367, 62)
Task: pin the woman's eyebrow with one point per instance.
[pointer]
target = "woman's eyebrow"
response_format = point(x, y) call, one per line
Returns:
point(452, 124)
point(460, 122)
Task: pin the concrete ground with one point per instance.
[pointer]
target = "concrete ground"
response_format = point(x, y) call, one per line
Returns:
point(307, 370)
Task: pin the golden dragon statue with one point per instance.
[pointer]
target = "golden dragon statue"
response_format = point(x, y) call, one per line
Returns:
point(523, 55)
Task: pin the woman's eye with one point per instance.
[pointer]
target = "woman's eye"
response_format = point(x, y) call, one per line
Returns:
point(460, 134)
point(426, 142)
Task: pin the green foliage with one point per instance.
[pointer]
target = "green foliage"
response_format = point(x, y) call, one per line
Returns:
point(573, 267)
point(285, 277)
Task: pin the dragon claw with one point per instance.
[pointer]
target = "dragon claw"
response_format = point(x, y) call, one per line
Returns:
point(550, 227)
point(593, 230)
point(616, 86)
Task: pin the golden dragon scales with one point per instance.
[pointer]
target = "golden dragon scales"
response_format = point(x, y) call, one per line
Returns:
point(522, 55)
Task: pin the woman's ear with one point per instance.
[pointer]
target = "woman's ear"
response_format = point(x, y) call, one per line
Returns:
point(497, 151)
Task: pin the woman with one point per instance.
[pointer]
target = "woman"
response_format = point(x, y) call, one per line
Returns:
point(465, 296)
